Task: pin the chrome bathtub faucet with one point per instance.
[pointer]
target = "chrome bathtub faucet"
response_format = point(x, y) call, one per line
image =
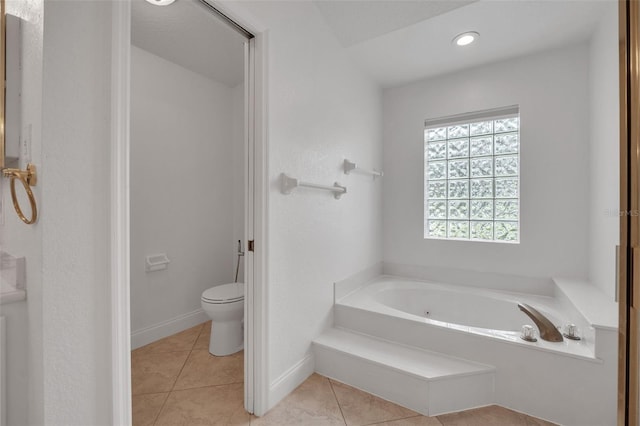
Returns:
point(547, 330)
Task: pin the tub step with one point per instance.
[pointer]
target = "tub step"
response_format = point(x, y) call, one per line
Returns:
point(428, 382)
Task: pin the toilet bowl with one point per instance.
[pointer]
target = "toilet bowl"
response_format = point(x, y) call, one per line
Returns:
point(224, 304)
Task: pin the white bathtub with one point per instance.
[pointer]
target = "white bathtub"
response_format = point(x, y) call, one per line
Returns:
point(571, 382)
point(488, 313)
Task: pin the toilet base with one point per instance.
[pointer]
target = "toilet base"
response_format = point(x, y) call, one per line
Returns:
point(227, 338)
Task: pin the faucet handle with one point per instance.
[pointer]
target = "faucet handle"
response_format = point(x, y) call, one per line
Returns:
point(571, 332)
point(528, 333)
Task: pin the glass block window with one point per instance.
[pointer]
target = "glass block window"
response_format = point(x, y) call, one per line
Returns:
point(472, 176)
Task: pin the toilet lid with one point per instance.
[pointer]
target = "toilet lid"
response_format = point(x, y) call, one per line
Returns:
point(225, 293)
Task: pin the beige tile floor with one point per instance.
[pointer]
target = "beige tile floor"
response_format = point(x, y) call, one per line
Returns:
point(176, 382)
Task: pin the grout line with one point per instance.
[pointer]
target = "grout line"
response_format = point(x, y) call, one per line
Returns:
point(178, 390)
point(161, 352)
point(173, 386)
point(176, 380)
point(199, 334)
point(181, 370)
point(161, 408)
point(337, 400)
point(208, 386)
point(150, 393)
point(377, 422)
point(402, 418)
point(171, 350)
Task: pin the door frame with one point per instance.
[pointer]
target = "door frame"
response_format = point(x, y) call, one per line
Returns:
point(256, 199)
point(629, 258)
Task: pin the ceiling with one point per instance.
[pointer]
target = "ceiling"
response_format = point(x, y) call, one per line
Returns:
point(188, 34)
point(424, 49)
point(354, 21)
point(395, 42)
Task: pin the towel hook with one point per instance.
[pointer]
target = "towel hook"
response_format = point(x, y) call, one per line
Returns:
point(28, 178)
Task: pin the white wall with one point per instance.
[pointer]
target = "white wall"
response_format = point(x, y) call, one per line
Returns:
point(24, 320)
point(74, 184)
point(239, 165)
point(551, 89)
point(182, 187)
point(321, 110)
point(604, 150)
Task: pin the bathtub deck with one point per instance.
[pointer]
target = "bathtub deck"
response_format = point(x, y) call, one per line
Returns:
point(425, 381)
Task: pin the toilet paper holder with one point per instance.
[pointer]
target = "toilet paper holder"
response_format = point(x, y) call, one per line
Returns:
point(156, 262)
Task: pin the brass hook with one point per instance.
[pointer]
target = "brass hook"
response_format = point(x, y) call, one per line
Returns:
point(28, 178)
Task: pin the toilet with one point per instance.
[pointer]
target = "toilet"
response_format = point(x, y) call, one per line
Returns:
point(224, 304)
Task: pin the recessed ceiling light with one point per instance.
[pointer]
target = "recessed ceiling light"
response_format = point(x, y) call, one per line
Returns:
point(161, 2)
point(463, 39)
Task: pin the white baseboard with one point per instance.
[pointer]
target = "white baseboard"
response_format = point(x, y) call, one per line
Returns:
point(290, 379)
point(167, 328)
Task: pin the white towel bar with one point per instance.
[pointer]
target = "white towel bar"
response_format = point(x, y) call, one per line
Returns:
point(349, 167)
point(288, 184)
